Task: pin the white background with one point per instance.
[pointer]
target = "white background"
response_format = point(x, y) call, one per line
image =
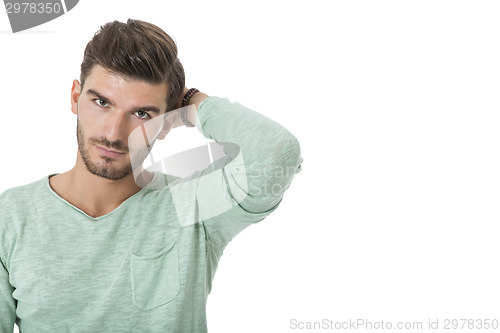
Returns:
point(395, 103)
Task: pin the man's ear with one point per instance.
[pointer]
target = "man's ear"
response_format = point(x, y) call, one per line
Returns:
point(76, 90)
point(168, 123)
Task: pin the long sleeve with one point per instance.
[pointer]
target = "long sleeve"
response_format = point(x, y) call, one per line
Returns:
point(249, 183)
point(7, 303)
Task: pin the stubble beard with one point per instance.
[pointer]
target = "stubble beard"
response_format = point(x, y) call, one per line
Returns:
point(105, 168)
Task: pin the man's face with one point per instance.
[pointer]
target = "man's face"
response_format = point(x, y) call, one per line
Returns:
point(109, 108)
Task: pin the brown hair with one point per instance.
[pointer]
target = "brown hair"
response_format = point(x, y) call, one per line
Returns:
point(136, 50)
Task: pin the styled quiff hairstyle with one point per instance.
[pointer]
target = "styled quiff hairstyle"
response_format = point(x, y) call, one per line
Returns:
point(136, 50)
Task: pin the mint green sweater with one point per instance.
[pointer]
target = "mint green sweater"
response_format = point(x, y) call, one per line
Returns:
point(148, 265)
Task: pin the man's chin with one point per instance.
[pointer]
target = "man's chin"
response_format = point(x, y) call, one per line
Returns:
point(108, 172)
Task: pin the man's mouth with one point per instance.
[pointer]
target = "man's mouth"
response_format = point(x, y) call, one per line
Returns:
point(110, 153)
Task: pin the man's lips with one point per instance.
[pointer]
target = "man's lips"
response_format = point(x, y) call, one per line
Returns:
point(109, 153)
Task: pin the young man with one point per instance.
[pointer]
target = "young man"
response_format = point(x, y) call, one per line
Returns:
point(111, 247)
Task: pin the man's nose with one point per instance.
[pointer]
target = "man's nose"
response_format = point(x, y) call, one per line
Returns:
point(116, 127)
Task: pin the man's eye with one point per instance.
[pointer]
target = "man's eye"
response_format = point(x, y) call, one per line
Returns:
point(102, 103)
point(142, 114)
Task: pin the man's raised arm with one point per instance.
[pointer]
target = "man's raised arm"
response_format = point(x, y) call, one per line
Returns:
point(250, 183)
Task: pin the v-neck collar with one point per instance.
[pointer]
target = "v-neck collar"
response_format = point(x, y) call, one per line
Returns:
point(47, 183)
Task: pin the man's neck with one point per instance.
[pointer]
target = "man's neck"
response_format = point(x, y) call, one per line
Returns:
point(94, 195)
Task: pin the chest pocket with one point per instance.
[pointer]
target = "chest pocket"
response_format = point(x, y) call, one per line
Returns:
point(155, 278)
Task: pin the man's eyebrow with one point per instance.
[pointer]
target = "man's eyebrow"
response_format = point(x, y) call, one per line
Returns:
point(98, 95)
point(150, 108)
